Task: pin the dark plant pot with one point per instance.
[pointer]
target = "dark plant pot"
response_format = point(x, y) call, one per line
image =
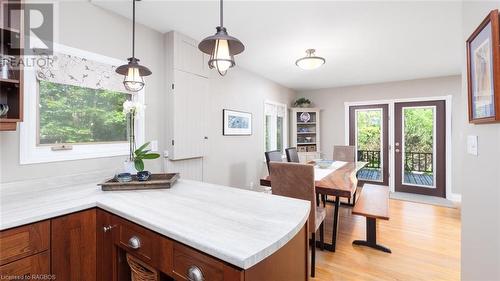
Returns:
point(143, 176)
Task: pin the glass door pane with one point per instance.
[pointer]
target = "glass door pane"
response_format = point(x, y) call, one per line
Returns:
point(419, 146)
point(369, 143)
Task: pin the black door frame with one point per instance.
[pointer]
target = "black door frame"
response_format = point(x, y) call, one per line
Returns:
point(385, 137)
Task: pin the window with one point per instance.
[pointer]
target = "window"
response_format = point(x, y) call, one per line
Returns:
point(72, 114)
point(275, 126)
point(77, 100)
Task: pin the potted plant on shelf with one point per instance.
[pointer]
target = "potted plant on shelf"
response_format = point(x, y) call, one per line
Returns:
point(302, 102)
point(135, 162)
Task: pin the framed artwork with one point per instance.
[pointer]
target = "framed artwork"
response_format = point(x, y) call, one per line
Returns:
point(483, 71)
point(236, 123)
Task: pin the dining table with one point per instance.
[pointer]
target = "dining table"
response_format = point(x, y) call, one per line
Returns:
point(338, 180)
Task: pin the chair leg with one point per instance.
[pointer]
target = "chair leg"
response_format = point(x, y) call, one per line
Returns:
point(317, 199)
point(313, 255)
point(322, 236)
point(323, 197)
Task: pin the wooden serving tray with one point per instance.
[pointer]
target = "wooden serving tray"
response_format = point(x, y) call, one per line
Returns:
point(156, 181)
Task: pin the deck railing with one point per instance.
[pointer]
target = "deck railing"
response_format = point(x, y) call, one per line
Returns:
point(414, 161)
point(370, 156)
point(419, 162)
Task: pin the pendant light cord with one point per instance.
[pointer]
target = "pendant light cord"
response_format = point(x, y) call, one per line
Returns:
point(221, 13)
point(133, 28)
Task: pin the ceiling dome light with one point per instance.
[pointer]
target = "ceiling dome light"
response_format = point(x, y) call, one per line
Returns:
point(133, 71)
point(310, 61)
point(221, 47)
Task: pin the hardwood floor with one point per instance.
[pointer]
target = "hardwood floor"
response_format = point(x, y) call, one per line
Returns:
point(424, 239)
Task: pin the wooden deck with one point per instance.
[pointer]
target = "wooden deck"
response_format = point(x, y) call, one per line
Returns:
point(410, 178)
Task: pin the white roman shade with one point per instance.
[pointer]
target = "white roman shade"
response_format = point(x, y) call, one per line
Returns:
point(77, 71)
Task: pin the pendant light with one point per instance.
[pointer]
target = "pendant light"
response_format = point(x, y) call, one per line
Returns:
point(310, 61)
point(133, 71)
point(221, 47)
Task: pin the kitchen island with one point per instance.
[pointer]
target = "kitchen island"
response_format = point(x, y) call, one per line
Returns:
point(253, 235)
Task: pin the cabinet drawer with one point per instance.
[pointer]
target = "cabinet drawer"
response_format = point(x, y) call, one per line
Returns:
point(186, 259)
point(23, 241)
point(34, 267)
point(149, 246)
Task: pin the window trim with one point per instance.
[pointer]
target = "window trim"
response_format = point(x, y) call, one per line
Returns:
point(285, 124)
point(31, 153)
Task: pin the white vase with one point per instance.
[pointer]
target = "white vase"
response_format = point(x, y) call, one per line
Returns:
point(129, 167)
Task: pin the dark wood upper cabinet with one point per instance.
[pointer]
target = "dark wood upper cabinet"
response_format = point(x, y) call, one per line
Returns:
point(11, 87)
point(73, 245)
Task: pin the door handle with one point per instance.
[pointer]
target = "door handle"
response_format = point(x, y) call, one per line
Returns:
point(397, 150)
point(397, 144)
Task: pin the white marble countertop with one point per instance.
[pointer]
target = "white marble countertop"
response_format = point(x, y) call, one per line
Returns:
point(238, 226)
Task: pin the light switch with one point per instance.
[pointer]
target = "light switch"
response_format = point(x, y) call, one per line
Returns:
point(472, 145)
point(154, 145)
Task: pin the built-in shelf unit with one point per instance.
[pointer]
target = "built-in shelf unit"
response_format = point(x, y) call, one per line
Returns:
point(306, 132)
point(11, 87)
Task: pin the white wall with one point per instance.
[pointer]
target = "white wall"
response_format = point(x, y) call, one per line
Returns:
point(239, 160)
point(331, 102)
point(479, 176)
point(84, 26)
point(234, 161)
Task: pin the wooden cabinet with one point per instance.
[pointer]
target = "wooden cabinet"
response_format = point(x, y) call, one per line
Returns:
point(187, 100)
point(73, 246)
point(24, 252)
point(11, 78)
point(36, 267)
point(24, 241)
point(104, 242)
point(144, 244)
point(93, 244)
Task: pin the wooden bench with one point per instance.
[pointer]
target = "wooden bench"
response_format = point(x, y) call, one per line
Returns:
point(373, 203)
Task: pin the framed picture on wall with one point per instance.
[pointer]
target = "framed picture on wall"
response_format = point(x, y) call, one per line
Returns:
point(236, 123)
point(483, 71)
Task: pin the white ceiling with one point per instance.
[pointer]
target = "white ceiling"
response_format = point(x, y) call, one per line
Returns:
point(363, 42)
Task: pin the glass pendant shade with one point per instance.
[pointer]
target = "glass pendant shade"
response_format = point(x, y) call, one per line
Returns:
point(133, 81)
point(221, 47)
point(311, 61)
point(134, 73)
point(221, 59)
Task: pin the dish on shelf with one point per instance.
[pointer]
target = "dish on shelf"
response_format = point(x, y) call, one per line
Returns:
point(305, 117)
point(4, 109)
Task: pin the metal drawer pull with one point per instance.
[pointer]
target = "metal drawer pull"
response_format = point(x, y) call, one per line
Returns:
point(134, 242)
point(194, 273)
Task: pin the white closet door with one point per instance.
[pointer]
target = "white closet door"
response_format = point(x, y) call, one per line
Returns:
point(190, 108)
point(188, 57)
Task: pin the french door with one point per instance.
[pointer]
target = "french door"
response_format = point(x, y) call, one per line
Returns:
point(420, 147)
point(369, 133)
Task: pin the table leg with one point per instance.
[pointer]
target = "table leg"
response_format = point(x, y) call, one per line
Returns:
point(331, 247)
point(371, 237)
point(335, 223)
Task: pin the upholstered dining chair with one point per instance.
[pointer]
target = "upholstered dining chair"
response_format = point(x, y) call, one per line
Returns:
point(297, 181)
point(292, 155)
point(274, 155)
point(344, 153)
